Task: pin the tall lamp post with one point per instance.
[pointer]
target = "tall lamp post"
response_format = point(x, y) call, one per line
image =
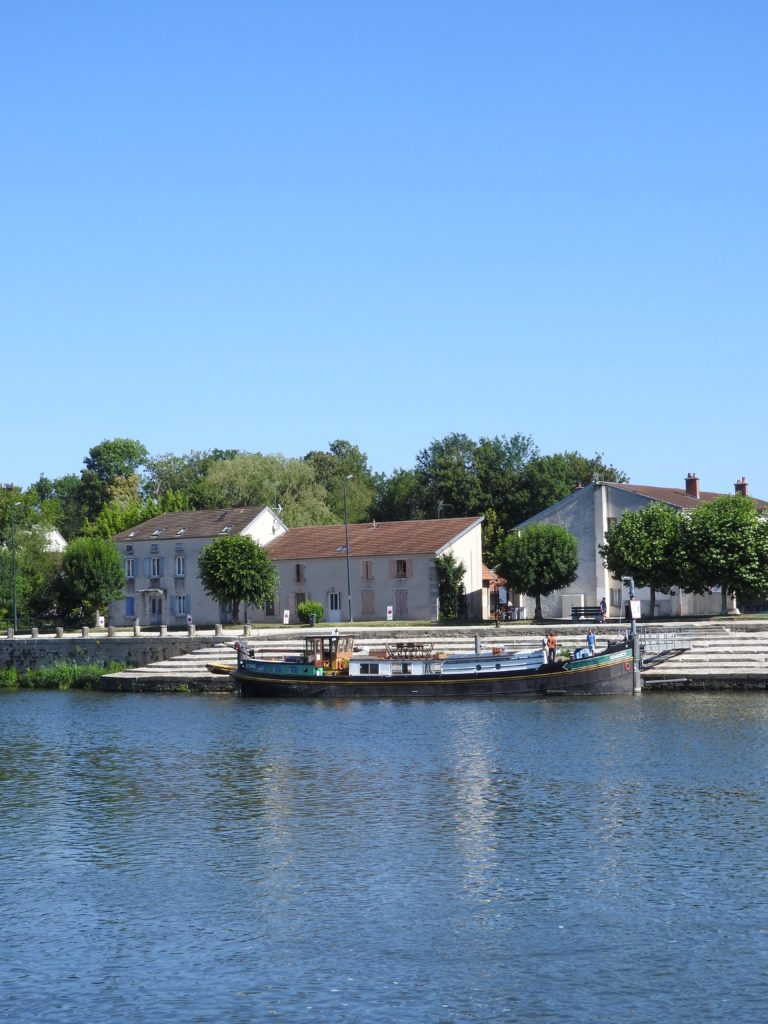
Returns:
point(14, 504)
point(346, 545)
point(13, 567)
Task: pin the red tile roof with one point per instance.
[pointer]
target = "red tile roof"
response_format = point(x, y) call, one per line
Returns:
point(676, 496)
point(204, 523)
point(366, 540)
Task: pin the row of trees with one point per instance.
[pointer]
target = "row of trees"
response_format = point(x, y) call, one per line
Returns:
point(722, 544)
point(506, 479)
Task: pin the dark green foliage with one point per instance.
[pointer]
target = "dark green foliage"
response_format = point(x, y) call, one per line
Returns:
point(450, 581)
point(236, 569)
point(539, 559)
point(61, 676)
point(648, 546)
point(306, 609)
point(92, 577)
point(725, 544)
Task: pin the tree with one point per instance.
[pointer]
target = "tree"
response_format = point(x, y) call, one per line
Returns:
point(539, 559)
point(120, 457)
point(254, 479)
point(647, 545)
point(550, 478)
point(236, 569)
point(92, 576)
point(450, 582)
point(182, 475)
point(331, 470)
point(726, 545)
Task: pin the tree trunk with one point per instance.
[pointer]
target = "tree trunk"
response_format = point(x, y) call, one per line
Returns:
point(653, 602)
point(538, 617)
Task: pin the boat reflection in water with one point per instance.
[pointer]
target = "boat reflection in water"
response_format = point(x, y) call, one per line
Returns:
point(330, 668)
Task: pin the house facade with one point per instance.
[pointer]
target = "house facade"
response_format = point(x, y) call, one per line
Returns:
point(391, 570)
point(160, 562)
point(391, 567)
point(587, 513)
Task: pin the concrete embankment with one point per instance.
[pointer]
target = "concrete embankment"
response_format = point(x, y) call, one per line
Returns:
point(723, 653)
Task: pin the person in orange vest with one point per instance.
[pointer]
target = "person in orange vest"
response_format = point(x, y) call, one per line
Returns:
point(552, 647)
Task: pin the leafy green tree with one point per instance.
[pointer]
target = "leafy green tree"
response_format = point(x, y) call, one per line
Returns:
point(92, 577)
point(399, 498)
point(114, 459)
point(493, 538)
point(254, 480)
point(539, 559)
point(450, 582)
point(726, 545)
point(182, 475)
point(547, 479)
point(236, 569)
point(331, 470)
point(647, 545)
point(306, 609)
point(446, 472)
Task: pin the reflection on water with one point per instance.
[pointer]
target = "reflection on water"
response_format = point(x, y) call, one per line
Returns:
point(195, 859)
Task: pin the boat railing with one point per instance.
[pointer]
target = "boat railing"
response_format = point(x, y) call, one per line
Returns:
point(409, 649)
point(660, 639)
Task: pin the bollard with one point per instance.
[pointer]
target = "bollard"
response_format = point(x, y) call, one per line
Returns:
point(163, 630)
point(35, 632)
point(217, 629)
point(84, 631)
point(247, 629)
point(110, 630)
point(136, 628)
point(59, 632)
point(191, 629)
point(9, 633)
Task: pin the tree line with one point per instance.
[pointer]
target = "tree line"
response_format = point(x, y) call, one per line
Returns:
point(505, 479)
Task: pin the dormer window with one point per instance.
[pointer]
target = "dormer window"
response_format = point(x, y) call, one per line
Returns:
point(157, 532)
point(226, 529)
point(181, 532)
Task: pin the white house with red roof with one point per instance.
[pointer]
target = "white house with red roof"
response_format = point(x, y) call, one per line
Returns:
point(389, 570)
point(587, 513)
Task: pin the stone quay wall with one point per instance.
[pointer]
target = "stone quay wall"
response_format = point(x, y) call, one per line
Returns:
point(24, 653)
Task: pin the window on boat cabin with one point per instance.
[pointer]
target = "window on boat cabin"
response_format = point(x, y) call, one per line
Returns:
point(179, 565)
point(400, 568)
point(129, 564)
point(130, 607)
point(401, 668)
point(367, 569)
point(300, 573)
point(369, 669)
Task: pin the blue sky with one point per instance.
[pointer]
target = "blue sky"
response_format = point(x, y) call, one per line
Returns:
point(266, 226)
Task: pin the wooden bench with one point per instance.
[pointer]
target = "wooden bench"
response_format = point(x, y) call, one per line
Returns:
point(586, 611)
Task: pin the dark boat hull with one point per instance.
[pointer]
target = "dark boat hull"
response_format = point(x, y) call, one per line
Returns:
point(602, 675)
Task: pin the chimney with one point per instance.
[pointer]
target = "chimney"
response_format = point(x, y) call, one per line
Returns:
point(692, 485)
point(741, 487)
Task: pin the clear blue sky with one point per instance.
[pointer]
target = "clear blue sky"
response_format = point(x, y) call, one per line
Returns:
point(268, 225)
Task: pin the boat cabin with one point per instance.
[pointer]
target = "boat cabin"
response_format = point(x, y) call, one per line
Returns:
point(331, 652)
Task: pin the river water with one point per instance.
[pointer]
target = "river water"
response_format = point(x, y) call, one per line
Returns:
point(193, 859)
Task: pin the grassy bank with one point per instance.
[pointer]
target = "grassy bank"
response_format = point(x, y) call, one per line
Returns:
point(61, 676)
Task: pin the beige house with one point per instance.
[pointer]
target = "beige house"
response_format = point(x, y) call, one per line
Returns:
point(392, 570)
point(160, 562)
point(588, 513)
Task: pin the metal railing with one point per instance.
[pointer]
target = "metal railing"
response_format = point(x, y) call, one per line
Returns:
point(657, 639)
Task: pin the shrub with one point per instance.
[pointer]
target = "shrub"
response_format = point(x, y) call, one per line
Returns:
point(305, 609)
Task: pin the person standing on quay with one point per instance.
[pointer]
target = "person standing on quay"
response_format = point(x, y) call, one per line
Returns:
point(591, 642)
point(603, 609)
point(552, 647)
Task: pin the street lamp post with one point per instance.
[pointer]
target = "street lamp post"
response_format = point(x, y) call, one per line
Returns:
point(13, 567)
point(346, 545)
